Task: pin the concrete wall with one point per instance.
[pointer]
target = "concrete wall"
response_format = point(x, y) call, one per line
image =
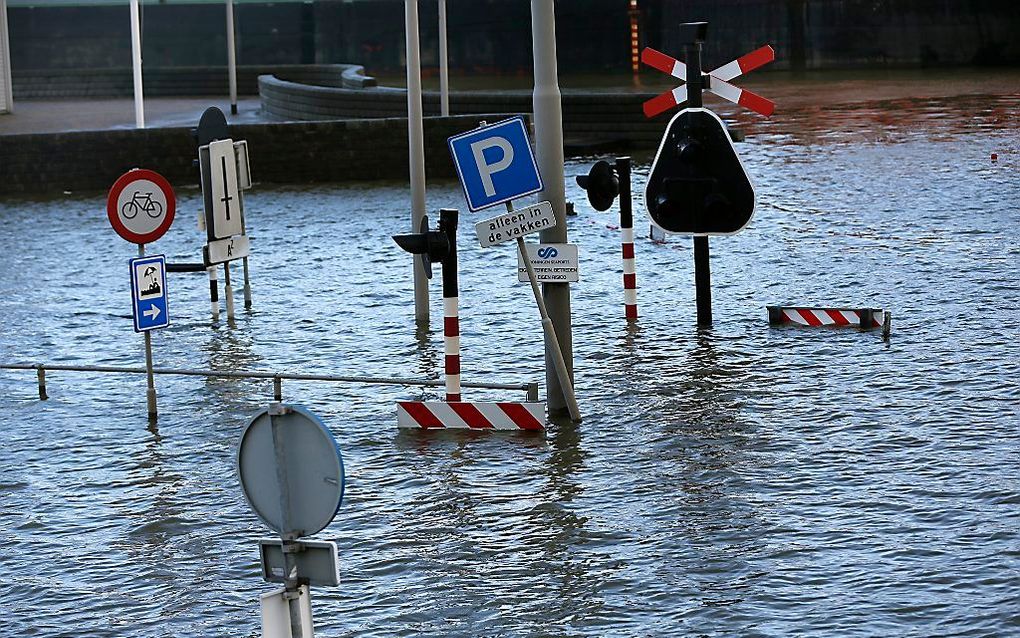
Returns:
point(494, 36)
point(290, 153)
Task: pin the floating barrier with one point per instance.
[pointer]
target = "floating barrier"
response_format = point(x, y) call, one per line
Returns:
point(474, 416)
point(863, 318)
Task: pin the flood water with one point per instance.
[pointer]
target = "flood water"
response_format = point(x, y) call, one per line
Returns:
point(737, 481)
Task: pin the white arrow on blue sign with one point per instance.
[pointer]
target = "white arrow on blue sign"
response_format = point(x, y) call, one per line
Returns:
point(495, 163)
point(148, 293)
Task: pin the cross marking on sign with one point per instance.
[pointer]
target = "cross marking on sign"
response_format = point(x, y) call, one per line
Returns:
point(226, 194)
point(717, 83)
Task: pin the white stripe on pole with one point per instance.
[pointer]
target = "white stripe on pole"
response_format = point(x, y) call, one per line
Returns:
point(444, 71)
point(6, 89)
point(416, 152)
point(136, 64)
point(231, 57)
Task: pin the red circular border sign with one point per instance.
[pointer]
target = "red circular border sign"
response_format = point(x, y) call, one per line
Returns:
point(123, 182)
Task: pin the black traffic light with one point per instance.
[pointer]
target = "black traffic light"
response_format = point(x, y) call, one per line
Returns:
point(602, 185)
point(433, 245)
point(697, 184)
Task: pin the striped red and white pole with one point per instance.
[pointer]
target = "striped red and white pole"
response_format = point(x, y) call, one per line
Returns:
point(627, 239)
point(451, 316)
point(474, 416)
point(863, 318)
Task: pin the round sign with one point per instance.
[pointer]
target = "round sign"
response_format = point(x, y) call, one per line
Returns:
point(313, 470)
point(141, 206)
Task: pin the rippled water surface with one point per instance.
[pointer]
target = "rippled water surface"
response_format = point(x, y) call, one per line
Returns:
point(737, 481)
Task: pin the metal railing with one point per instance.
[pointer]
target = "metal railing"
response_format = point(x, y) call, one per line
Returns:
point(277, 377)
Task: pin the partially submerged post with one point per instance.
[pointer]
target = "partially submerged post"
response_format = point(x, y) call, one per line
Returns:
point(416, 151)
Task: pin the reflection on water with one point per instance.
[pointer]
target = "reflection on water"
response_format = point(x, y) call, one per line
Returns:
point(741, 480)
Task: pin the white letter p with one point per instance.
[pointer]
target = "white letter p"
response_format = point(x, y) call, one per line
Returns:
point(485, 170)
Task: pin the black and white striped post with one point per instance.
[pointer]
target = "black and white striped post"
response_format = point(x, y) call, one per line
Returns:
point(441, 246)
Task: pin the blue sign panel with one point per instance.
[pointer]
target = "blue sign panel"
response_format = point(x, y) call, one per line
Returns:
point(495, 163)
point(148, 293)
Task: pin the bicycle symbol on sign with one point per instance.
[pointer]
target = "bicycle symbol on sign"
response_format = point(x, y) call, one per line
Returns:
point(138, 203)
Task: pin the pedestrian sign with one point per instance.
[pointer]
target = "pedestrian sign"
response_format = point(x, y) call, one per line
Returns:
point(148, 293)
point(495, 163)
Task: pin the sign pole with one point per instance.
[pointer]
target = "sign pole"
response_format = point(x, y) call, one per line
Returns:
point(553, 350)
point(416, 152)
point(136, 64)
point(627, 239)
point(549, 152)
point(231, 57)
point(214, 295)
point(451, 311)
point(228, 291)
point(702, 266)
point(444, 67)
point(150, 392)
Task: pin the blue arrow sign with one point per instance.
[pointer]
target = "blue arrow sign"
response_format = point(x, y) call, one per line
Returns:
point(495, 163)
point(148, 293)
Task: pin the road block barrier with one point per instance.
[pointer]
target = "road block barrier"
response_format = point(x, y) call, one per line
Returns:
point(863, 318)
point(474, 416)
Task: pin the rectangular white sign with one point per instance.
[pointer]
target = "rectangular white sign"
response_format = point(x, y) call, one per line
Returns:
point(553, 263)
point(221, 250)
point(511, 225)
point(226, 197)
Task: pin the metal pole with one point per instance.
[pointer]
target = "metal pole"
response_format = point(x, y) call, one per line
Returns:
point(150, 392)
point(287, 535)
point(228, 291)
point(702, 266)
point(214, 295)
point(627, 240)
point(416, 153)
point(247, 283)
point(136, 63)
point(7, 99)
point(549, 151)
point(444, 69)
point(451, 313)
point(41, 375)
point(231, 57)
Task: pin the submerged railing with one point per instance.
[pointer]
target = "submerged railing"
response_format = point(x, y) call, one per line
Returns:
point(277, 377)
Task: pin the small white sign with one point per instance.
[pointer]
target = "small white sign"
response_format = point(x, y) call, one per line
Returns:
point(226, 198)
point(553, 263)
point(221, 250)
point(512, 225)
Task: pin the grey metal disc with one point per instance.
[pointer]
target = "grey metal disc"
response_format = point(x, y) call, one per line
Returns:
point(313, 466)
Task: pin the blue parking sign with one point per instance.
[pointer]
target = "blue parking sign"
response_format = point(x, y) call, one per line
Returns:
point(495, 163)
point(148, 293)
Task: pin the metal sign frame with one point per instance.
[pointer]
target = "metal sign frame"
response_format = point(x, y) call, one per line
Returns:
point(468, 149)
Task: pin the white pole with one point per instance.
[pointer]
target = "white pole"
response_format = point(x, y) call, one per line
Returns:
point(136, 63)
point(549, 152)
point(444, 69)
point(416, 153)
point(6, 80)
point(231, 57)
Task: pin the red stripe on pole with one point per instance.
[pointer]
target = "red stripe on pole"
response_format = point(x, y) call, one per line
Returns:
point(838, 317)
point(421, 415)
point(628, 251)
point(453, 364)
point(756, 58)
point(471, 415)
point(451, 326)
point(630, 311)
point(659, 104)
point(520, 415)
point(756, 103)
point(658, 60)
point(630, 281)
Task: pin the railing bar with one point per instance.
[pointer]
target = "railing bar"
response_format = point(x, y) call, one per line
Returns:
point(265, 375)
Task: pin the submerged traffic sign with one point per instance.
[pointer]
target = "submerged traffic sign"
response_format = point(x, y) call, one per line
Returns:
point(141, 205)
point(148, 293)
point(495, 163)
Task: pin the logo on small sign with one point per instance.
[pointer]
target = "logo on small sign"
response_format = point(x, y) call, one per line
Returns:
point(548, 253)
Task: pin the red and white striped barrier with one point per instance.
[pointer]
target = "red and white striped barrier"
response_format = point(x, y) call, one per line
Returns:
point(629, 273)
point(718, 83)
point(863, 318)
point(451, 347)
point(474, 416)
